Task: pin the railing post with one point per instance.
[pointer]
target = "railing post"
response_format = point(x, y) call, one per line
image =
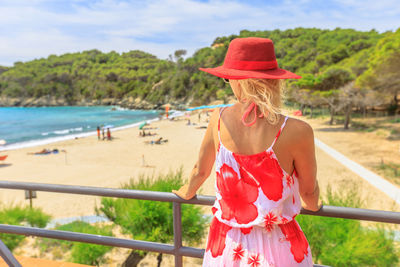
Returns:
point(177, 208)
point(7, 256)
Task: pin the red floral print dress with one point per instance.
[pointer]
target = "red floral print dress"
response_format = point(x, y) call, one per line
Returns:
point(254, 213)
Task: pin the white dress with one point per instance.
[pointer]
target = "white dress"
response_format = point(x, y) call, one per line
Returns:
point(254, 213)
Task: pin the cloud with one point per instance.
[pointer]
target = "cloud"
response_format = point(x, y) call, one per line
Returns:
point(36, 28)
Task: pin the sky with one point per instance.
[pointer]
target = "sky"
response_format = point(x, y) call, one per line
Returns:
point(31, 29)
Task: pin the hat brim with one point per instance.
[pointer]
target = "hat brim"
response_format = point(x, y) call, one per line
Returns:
point(234, 74)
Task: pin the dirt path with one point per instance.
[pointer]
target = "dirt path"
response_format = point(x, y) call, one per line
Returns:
point(365, 148)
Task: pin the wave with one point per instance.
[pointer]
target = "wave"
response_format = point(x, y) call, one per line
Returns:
point(61, 132)
point(40, 142)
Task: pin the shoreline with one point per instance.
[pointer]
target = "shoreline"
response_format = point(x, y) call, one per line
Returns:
point(46, 141)
point(51, 140)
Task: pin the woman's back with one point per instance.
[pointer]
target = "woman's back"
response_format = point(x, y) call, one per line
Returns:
point(251, 140)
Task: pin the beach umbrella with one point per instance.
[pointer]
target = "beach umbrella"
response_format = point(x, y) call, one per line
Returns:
point(2, 142)
point(142, 125)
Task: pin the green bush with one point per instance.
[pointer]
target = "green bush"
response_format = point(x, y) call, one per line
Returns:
point(18, 215)
point(152, 220)
point(83, 253)
point(344, 242)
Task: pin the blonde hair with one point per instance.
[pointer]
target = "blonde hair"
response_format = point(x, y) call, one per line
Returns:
point(265, 93)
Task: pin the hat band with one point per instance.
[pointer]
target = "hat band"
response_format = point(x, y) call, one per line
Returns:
point(251, 65)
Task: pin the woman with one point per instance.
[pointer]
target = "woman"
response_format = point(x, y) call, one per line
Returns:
point(264, 163)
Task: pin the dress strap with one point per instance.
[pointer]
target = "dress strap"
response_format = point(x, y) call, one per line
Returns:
point(279, 133)
point(219, 119)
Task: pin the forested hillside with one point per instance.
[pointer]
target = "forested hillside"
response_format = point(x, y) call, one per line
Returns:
point(321, 56)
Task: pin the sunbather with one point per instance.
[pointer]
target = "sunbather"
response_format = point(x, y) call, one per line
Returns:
point(45, 151)
point(159, 141)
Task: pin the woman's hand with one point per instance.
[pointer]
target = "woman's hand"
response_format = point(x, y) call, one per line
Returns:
point(319, 206)
point(183, 192)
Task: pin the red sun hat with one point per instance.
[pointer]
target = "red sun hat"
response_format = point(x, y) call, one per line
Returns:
point(251, 57)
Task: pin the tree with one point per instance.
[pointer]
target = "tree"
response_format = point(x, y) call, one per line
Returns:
point(331, 80)
point(152, 220)
point(303, 92)
point(384, 68)
point(331, 98)
point(178, 54)
point(348, 97)
point(371, 98)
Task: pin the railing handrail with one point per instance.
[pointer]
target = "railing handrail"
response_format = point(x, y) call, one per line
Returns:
point(176, 249)
point(326, 211)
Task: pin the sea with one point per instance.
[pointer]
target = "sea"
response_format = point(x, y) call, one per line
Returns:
point(31, 126)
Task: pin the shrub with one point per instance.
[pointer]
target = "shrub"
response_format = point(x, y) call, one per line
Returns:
point(152, 220)
point(83, 253)
point(18, 215)
point(344, 242)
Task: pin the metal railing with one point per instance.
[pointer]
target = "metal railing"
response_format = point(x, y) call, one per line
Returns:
point(177, 249)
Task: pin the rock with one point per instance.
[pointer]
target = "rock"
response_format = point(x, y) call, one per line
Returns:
point(108, 101)
point(157, 85)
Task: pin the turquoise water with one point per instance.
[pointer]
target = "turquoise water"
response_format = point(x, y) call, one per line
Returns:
point(23, 126)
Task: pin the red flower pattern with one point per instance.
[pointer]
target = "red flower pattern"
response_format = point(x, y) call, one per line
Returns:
point(214, 210)
point(246, 231)
point(270, 220)
point(298, 242)
point(254, 260)
point(289, 180)
point(238, 253)
point(238, 196)
point(216, 237)
point(265, 170)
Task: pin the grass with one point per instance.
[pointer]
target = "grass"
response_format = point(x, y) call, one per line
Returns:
point(344, 242)
point(395, 120)
point(83, 253)
point(20, 215)
point(362, 126)
point(390, 171)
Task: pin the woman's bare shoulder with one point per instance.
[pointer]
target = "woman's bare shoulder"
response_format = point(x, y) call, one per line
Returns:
point(299, 131)
point(214, 118)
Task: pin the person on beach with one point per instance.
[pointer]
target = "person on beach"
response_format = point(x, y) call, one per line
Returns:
point(108, 134)
point(103, 133)
point(46, 151)
point(98, 132)
point(265, 162)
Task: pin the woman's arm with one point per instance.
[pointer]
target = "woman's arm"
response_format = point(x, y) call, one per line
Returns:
point(202, 169)
point(306, 166)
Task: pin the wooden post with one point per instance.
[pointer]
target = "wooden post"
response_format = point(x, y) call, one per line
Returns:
point(30, 198)
point(30, 194)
